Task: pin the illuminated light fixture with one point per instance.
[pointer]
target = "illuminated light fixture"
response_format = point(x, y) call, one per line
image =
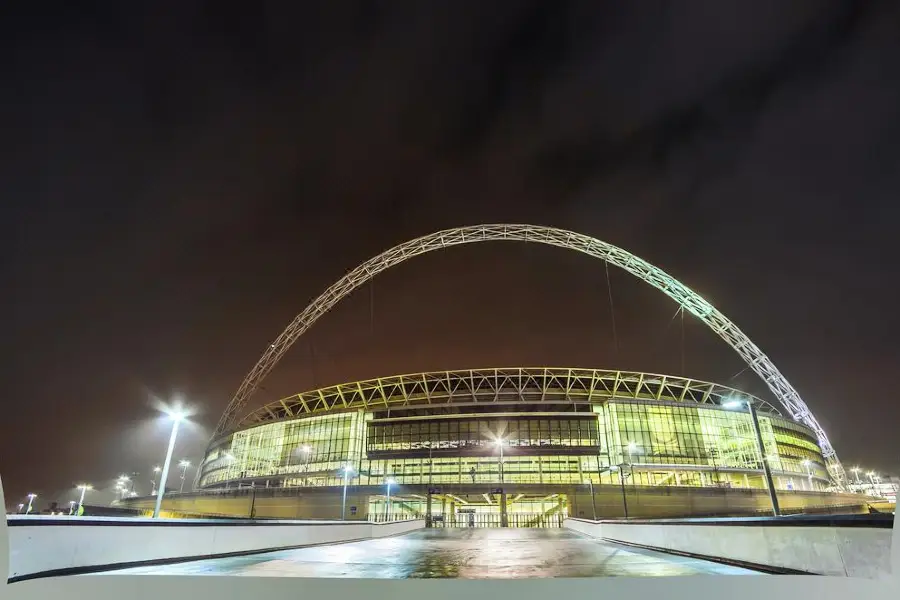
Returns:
point(734, 403)
point(177, 414)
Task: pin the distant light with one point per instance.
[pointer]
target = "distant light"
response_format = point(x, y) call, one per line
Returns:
point(71, 503)
point(733, 403)
point(499, 441)
point(84, 486)
point(32, 496)
point(390, 481)
point(123, 478)
point(156, 469)
point(229, 456)
point(806, 463)
point(184, 463)
point(348, 469)
point(305, 448)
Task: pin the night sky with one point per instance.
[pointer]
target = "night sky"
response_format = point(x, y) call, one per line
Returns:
point(180, 180)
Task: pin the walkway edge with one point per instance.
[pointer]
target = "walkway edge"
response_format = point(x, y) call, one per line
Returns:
point(768, 569)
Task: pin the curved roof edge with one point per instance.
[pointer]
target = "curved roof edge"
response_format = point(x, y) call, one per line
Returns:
point(484, 386)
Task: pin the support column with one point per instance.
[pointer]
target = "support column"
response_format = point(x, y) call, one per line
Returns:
point(452, 513)
point(428, 511)
point(444, 510)
point(504, 518)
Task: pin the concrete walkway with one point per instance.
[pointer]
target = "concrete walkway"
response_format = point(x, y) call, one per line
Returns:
point(456, 553)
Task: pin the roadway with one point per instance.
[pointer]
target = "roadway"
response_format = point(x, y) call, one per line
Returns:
point(455, 553)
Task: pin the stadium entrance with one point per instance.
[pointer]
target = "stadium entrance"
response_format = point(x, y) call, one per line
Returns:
point(464, 510)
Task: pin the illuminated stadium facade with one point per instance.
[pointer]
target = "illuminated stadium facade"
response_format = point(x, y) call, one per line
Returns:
point(557, 427)
point(541, 434)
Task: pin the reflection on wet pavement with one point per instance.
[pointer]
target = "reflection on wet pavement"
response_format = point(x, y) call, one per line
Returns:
point(456, 553)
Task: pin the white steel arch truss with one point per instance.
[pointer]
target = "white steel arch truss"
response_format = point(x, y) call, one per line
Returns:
point(755, 359)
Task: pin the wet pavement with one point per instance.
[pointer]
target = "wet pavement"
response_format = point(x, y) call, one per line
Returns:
point(456, 553)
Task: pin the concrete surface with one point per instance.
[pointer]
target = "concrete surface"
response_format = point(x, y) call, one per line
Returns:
point(42, 544)
point(454, 553)
point(827, 550)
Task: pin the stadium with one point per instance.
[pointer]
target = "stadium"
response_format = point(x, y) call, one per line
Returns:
point(518, 446)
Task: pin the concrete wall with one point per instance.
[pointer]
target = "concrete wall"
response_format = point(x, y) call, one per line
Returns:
point(825, 550)
point(45, 545)
point(271, 503)
point(673, 502)
point(643, 501)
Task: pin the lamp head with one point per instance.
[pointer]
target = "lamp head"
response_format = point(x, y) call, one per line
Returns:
point(390, 481)
point(184, 463)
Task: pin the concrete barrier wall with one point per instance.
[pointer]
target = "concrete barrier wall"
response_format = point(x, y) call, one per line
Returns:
point(40, 546)
point(827, 550)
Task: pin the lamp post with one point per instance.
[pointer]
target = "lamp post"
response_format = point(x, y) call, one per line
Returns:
point(84, 487)
point(806, 463)
point(71, 506)
point(387, 507)
point(307, 450)
point(21, 506)
point(855, 471)
point(184, 464)
point(177, 417)
point(621, 470)
point(776, 510)
point(499, 442)
point(347, 470)
point(31, 498)
point(153, 481)
point(593, 502)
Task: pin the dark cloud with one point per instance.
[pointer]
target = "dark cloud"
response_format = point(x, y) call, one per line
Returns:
point(181, 179)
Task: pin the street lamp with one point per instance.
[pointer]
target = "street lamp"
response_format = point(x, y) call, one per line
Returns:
point(31, 498)
point(737, 403)
point(307, 450)
point(21, 506)
point(347, 470)
point(71, 506)
point(184, 464)
point(593, 502)
point(177, 417)
point(153, 481)
point(621, 471)
point(806, 463)
point(631, 448)
point(499, 443)
point(83, 487)
point(387, 507)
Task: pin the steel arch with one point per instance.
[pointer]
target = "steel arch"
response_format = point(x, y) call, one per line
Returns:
point(754, 357)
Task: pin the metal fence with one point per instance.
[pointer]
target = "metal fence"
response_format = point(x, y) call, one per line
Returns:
point(463, 520)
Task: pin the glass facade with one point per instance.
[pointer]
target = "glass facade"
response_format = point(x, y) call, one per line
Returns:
point(647, 442)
